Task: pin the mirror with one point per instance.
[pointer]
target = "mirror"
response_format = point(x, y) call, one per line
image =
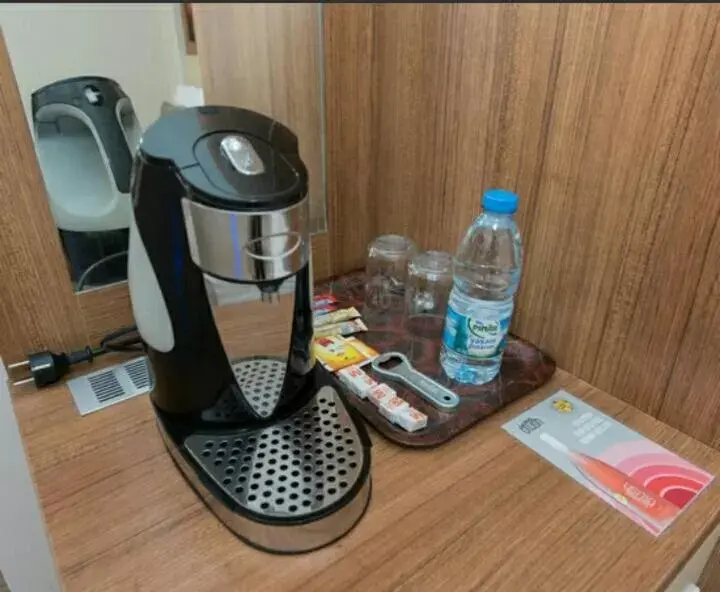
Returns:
point(91, 78)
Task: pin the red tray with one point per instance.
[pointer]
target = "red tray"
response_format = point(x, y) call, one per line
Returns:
point(524, 369)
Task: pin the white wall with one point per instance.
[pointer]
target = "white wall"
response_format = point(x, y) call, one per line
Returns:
point(26, 560)
point(138, 45)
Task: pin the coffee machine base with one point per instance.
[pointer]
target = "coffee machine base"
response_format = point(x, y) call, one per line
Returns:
point(291, 486)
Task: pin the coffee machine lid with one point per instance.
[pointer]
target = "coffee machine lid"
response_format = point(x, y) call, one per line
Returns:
point(229, 158)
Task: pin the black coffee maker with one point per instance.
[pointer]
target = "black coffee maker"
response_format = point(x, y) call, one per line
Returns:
point(221, 286)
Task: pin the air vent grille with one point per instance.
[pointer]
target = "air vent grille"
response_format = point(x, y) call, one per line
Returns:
point(111, 385)
point(139, 373)
point(106, 386)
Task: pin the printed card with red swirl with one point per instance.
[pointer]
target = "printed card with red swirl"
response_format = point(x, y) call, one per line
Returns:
point(638, 477)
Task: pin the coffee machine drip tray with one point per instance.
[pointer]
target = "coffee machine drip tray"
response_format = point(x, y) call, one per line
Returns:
point(261, 377)
point(292, 486)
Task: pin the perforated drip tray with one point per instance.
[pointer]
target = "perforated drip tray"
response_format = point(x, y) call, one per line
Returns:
point(296, 468)
point(297, 484)
point(262, 380)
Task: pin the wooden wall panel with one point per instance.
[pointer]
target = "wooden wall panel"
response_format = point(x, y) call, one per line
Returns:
point(108, 308)
point(692, 398)
point(410, 115)
point(350, 108)
point(691, 401)
point(613, 192)
point(266, 57)
point(37, 304)
point(604, 118)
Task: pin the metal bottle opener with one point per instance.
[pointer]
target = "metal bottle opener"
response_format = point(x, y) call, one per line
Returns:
point(434, 392)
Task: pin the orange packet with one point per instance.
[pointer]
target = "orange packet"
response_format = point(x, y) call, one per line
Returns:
point(370, 353)
point(335, 352)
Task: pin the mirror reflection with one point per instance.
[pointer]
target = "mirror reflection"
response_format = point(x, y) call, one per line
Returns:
point(91, 78)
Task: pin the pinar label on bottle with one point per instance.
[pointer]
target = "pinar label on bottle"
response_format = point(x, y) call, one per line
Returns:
point(472, 337)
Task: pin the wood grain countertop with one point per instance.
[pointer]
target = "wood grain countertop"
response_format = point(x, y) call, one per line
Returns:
point(481, 512)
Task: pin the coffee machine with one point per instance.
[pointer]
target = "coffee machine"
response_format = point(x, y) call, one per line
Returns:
point(220, 279)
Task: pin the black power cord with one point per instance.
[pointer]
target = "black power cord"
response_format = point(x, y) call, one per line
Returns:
point(99, 263)
point(112, 342)
point(46, 367)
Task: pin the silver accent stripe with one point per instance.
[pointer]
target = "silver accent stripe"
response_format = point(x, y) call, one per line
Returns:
point(247, 246)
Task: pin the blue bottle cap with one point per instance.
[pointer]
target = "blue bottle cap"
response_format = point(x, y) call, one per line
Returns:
point(500, 201)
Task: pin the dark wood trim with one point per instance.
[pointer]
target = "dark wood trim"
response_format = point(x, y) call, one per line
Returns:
point(186, 14)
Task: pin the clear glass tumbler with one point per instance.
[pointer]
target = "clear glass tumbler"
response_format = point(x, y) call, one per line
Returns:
point(430, 280)
point(386, 271)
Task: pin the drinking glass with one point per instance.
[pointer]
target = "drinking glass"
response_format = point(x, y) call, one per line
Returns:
point(386, 271)
point(430, 280)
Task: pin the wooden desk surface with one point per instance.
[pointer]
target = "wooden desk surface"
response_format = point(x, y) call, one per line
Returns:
point(482, 512)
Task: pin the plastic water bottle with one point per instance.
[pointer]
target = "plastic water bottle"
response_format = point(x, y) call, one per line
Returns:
point(486, 274)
